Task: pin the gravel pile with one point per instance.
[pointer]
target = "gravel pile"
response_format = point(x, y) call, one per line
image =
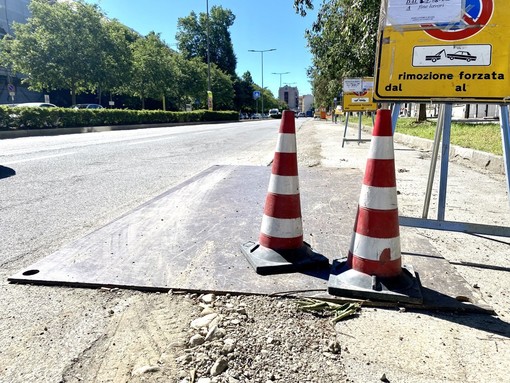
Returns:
point(259, 339)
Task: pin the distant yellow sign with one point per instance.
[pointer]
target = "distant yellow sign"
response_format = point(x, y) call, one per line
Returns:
point(467, 60)
point(358, 95)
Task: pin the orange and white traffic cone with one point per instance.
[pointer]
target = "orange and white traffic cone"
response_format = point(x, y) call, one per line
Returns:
point(373, 268)
point(281, 248)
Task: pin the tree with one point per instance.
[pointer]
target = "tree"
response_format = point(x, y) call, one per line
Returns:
point(244, 87)
point(58, 46)
point(153, 69)
point(192, 83)
point(222, 88)
point(115, 55)
point(342, 41)
point(302, 5)
point(192, 38)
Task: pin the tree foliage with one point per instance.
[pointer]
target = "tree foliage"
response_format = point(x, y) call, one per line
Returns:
point(73, 46)
point(58, 46)
point(342, 41)
point(153, 69)
point(192, 38)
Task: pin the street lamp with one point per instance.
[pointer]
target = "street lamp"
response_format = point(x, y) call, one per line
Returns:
point(208, 50)
point(281, 73)
point(262, 60)
point(209, 92)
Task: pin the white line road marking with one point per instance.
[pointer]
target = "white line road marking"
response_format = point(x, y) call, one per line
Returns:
point(37, 158)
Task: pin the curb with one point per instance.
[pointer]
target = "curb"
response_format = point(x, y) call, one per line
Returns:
point(482, 160)
point(92, 129)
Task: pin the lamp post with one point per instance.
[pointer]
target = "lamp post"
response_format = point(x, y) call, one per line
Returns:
point(281, 73)
point(262, 60)
point(208, 52)
point(209, 92)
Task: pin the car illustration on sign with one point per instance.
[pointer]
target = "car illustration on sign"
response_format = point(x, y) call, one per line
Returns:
point(436, 56)
point(452, 55)
point(461, 55)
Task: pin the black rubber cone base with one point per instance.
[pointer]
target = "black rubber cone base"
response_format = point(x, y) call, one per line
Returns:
point(347, 282)
point(267, 261)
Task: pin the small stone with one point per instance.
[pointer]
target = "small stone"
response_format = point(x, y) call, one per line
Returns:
point(334, 347)
point(219, 366)
point(207, 310)
point(144, 370)
point(203, 321)
point(208, 298)
point(215, 333)
point(228, 346)
point(204, 380)
point(196, 340)
point(384, 379)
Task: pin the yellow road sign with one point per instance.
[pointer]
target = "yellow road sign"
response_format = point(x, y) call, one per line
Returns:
point(358, 95)
point(466, 60)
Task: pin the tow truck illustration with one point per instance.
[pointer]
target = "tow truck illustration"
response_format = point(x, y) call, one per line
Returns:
point(459, 55)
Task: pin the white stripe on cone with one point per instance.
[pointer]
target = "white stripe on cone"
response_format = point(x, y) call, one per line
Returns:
point(381, 148)
point(286, 185)
point(286, 143)
point(371, 248)
point(378, 198)
point(281, 228)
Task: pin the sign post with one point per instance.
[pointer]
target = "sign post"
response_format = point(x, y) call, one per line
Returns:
point(357, 97)
point(209, 100)
point(12, 91)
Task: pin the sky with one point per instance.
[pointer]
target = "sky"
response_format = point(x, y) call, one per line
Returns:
point(259, 25)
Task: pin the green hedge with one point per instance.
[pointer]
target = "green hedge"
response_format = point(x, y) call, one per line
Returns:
point(44, 118)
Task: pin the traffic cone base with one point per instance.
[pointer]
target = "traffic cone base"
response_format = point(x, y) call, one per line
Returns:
point(349, 282)
point(373, 268)
point(267, 261)
point(281, 248)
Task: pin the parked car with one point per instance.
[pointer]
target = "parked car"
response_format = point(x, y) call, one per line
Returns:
point(256, 116)
point(87, 106)
point(35, 105)
point(301, 114)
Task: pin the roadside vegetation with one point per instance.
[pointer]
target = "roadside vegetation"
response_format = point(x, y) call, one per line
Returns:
point(72, 49)
point(485, 137)
point(12, 118)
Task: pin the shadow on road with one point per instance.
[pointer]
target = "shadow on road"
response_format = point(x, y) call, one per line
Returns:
point(6, 172)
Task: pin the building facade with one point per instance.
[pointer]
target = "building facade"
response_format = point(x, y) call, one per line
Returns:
point(290, 96)
point(12, 10)
point(306, 103)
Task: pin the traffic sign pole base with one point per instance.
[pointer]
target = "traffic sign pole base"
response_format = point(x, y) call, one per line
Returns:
point(267, 261)
point(344, 281)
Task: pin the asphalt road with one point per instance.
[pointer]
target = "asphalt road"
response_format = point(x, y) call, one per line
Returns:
point(55, 190)
point(65, 186)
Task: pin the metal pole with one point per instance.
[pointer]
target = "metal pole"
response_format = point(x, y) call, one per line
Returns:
point(262, 93)
point(281, 73)
point(445, 157)
point(208, 51)
point(505, 138)
point(262, 60)
point(433, 162)
point(359, 127)
point(394, 116)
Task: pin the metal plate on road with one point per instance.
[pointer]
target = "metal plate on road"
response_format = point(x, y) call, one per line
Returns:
point(189, 239)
